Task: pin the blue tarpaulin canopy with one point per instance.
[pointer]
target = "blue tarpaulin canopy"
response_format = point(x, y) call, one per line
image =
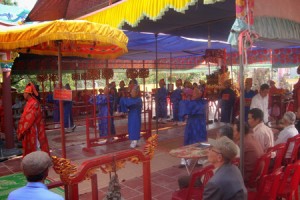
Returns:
point(142, 46)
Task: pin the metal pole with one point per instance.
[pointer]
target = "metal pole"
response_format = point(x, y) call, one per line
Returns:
point(61, 105)
point(144, 99)
point(231, 63)
point(242, 111)
point(8, 115)
point(156, 80)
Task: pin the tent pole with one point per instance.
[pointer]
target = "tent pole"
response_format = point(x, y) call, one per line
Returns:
point(170, 82)
point(156, 80)
point(242, 110)
point(61, 105)
point(171, 68)
point(144, 98)
point(231, 63)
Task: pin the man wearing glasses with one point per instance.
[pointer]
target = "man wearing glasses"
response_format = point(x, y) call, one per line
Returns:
point(227, 182)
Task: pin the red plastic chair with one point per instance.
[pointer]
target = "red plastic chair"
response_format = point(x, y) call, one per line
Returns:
point(280, 151)
point(289, 183)
point(295, 152)
point(268, 187)
point(193, 192)
point(261, 169)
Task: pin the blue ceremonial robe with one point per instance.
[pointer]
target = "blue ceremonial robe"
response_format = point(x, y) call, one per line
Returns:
point(68, 118)
point(175, 99)
point(55, 103)
point(195, 129)
point(134, 108)
point(248, 98)
point(161, 103)
point(104, 113)
point(227, 97)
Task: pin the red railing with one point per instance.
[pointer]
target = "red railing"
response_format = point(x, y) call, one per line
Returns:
point(71, 186)
point(92, 142)
point(79, 113)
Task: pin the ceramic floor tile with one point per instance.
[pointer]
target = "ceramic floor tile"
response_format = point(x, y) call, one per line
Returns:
point(173, 171)
point(139, 197)
point(129, 193)
point(163, 180)
point(133, 183)
point(164, 196)
point(155, 189)
point(172, 185)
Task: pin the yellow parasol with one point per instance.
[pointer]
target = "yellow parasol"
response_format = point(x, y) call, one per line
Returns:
point(65, 38)
point(80, 38)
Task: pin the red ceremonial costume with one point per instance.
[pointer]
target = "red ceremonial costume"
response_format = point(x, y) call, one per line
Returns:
point(31, 128)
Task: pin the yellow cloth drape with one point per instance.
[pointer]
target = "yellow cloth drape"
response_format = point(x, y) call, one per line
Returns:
point(133, 11)
point(79, 38)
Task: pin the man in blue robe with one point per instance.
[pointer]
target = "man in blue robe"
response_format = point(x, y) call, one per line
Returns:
point(133, 105)
point(104, 103)
point(227, 97)
point(68, 115)
point(55, 107)
point(176, 97)
point(195, 109)
point(161, 102)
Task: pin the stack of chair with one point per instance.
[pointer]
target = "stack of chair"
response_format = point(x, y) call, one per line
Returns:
point(276, 178)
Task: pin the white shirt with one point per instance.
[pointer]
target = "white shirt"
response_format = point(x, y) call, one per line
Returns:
point(261, 103)
point(288, 132)
point(264, 136)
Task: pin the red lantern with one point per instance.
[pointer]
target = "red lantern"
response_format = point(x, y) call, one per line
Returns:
point(143, 73)
point(107, 73)
point(132, 73)
point(75, 77)
point(93, 74)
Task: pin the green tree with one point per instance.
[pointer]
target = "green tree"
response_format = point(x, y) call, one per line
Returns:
point(9, 2)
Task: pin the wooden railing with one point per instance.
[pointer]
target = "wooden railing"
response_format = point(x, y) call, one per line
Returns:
point(72, 175)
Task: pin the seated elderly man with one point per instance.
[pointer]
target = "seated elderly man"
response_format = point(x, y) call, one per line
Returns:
point(35, 167)
point(225, 130)
point(289, 131)
point(227, 182)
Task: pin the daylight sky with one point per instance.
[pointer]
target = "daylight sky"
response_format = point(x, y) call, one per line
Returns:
point(27, 4)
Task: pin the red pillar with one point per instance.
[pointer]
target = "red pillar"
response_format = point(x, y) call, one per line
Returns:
point(147, 180)
point(8, 119)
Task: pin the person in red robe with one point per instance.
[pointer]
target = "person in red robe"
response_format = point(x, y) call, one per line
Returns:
point(31, 127)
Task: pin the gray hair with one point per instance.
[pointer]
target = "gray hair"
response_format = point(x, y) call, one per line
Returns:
point(290, 117)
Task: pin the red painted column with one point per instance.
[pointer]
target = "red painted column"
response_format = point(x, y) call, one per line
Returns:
point(147, 179)
point(7, 104)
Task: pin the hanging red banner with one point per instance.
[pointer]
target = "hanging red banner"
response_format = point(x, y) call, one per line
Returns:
point(62, 94)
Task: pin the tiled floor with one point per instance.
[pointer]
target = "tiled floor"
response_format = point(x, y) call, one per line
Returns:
point(164, 168)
